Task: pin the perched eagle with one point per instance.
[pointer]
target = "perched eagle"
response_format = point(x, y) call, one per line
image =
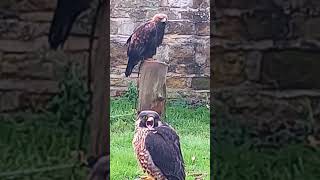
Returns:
point(65, 14)
point(157, 148)
point(143, 42)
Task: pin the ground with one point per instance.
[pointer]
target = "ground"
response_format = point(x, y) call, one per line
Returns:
point(191, 123)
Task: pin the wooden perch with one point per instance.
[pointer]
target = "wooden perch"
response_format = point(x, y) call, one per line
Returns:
point(99, 124)
point(152, 86)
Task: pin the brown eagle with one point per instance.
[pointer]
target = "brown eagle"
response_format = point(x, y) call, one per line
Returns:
point(143, 42)
point(157, 148)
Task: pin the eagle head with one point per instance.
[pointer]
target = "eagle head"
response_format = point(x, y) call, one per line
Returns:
point(160, 18)
point(148, 119)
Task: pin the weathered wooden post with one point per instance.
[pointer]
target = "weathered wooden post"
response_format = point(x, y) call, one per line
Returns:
point(99, 121)
point(152, 86)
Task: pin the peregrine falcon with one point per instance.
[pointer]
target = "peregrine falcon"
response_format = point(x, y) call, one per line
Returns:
point(157, 148)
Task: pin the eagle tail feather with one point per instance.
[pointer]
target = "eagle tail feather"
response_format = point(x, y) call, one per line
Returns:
point(129, 68)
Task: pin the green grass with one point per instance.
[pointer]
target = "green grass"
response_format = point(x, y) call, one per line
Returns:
point(191, 123)
point(237, 156)
point(28, 143)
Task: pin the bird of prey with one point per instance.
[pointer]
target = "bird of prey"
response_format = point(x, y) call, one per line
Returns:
point(65, 14)
point(143, 42)
point(157, 148)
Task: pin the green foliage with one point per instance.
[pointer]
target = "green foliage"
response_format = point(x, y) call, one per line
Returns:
point(71, 105)
point(132, 93)
point(29, 141)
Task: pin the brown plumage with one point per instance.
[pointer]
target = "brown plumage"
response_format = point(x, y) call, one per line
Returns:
point(143, 42)
point(157, 148)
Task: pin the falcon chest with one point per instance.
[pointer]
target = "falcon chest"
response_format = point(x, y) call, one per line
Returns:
point(143, 156)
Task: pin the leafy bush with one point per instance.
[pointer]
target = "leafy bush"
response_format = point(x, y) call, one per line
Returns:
point(71, 105)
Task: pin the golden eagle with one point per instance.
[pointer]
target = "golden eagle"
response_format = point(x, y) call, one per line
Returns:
point(143, 42)
point(157, 147)
point(65, 14)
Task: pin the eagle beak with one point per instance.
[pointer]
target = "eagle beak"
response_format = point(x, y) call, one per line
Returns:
point(150, 123)
point(164, 20)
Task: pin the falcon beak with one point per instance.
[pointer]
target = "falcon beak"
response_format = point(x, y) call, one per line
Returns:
point(150, 123)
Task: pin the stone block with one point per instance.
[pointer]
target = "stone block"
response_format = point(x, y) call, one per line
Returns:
point(123, 26)
point(180, 27)
point(228, 67)
point(200, 83)
point(33, 5)
point(37, 16)
point(311, 29)
point(176, 82)
point(266, 25)
point(21, 30)
point(33, 86)
point(202, 52)
point(180, 3)
point(232, 28)
point(245, 4)
point(119, 13)
point(9, 101)
point(291, 69)
point(240, 4)
point(201, 4)
point(33, 102)
point(133, 4)
point(181, 54)
point(203, 28)
point(17, 46)
point(253, 65)
point(118, 54)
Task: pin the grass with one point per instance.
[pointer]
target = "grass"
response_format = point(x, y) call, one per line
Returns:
point(32, 142)
point(191, 123)
point(236, 156)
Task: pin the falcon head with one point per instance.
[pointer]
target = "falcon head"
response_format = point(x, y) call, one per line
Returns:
point(148, 119)
point(160, 18)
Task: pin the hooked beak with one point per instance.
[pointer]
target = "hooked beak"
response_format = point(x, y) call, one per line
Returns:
point(164, 20)
point(150, 123)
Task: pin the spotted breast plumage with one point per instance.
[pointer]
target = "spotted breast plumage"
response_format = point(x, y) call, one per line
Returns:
point(157, 148)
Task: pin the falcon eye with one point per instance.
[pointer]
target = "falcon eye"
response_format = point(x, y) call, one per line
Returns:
point(145, 117)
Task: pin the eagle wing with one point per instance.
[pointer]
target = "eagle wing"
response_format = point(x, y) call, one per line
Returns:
point(64, 16)
point(164, 148)
point(143, 40)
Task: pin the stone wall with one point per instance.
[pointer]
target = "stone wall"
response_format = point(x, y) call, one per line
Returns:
point(29, 71)
point(185, 46)
point(266, 61)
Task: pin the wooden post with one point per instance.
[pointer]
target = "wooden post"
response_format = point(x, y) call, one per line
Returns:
point(99, 120)
point(152, 86)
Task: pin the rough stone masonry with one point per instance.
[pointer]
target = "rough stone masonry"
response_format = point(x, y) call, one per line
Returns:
point(29, 73)
point(265, 57)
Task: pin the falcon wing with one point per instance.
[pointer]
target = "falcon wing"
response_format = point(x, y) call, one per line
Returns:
point(164, 148)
